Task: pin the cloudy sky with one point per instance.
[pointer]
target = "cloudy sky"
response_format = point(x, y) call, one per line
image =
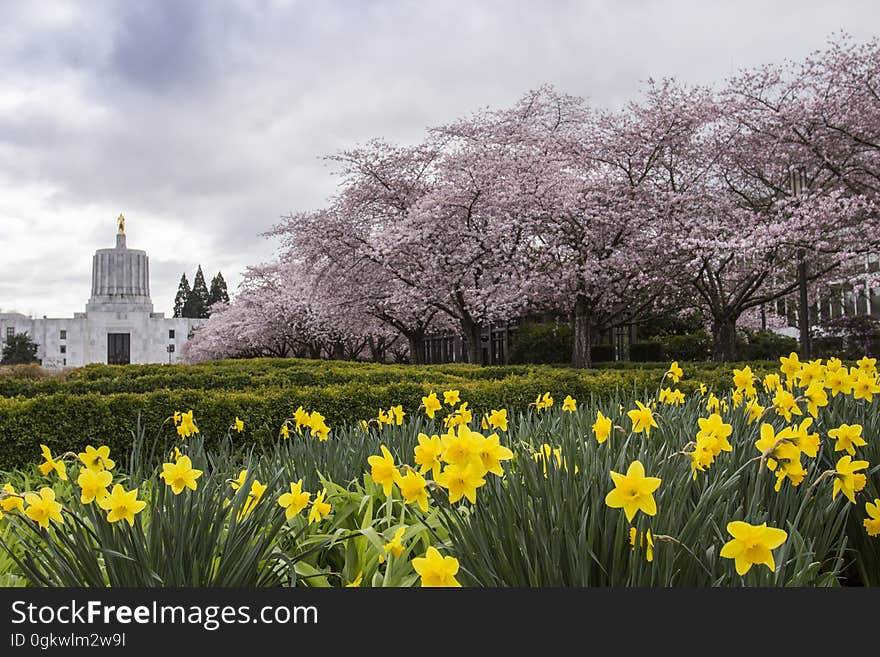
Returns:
point(204, 122)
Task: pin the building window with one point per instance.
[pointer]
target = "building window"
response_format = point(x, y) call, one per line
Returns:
point(64, 349)
point(63, 334)
point(170, 334)
point(170, 348)
point(65, 362)
point(10, 331)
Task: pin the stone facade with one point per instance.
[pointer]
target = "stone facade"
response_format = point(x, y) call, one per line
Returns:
point(119, 324)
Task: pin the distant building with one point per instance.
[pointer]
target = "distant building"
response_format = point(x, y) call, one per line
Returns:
point(118, 326)
point(858, 295)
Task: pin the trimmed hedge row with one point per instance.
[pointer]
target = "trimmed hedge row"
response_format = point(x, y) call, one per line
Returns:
point(246, 375)
point(65, 421)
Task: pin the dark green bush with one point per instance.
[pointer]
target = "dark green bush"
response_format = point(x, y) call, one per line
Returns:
point(534, 342)
point(694, 346)
point(646, 351)
point(68, 421)
point(764, 345)
point(602, 353)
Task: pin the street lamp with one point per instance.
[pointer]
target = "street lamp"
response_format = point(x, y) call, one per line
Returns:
point(798, 187)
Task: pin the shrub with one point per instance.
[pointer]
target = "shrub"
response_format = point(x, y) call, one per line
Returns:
point(541, 343)
point(687, 347)
point(646, 351)
point(65, 420)
point(765, 345)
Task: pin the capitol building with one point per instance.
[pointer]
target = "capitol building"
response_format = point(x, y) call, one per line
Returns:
point(118, 326)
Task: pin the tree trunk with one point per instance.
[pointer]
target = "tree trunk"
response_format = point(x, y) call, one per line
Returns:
point(416, 348)
point(804, 308)
point(581, 356)
point(724, 338)
point(377, 351)
point(471, 332)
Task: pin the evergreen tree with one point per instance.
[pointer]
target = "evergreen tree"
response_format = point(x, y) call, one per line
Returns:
point(19, 350)
point(183, 293)
point(196, 305)
point(218, 292)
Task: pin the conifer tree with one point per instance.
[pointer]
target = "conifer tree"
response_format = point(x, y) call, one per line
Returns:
point(19, 350)
point(183, 292)
point(218, 292)
point(196, 305)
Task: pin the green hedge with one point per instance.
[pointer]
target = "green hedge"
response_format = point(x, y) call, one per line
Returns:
point(277, 373)
point(66, 421)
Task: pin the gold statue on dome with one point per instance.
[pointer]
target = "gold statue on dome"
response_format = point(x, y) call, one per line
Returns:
point(121, 221)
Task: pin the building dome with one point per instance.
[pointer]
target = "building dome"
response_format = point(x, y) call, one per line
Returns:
point(120, 278)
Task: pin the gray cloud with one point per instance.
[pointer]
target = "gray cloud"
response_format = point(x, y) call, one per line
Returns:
point(206, 121)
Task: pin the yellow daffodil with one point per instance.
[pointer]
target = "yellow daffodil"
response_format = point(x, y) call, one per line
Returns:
point(601, 427)
point(51, 464)
point(383, 470)
point(180, 474)
point(703, 454)
point(254, 495)
point(320, 509)
point(867, 365)
point(838, 382)
point(301, 417)
point(394, 546)
point(42, 507)
point(356, 582)
point(865, 386)
point(754, 411)
point(186, 426)
point(872, 522)
point(752, 544)
point(543, 402)
point(644, 537)
point(427, 453)
point(633, 492)
point(461, 481)
point(642, 419)
point(790, 366)
point(413, 488)
point(97, 459)
point(121, 504)
point(772, 382)
point(544, 453)
point(716, 432)
point(498, 419)
point(816, 398)
point(318, 427)
point(675, 372)
point(569, 404)
point(395, 414)
point(848, 437)
point(435, 569)
point(451, 397)
point(238, 425)
point(743, 379)
point(805, 441)
point(783, 456)
point(12, 501)
point(432, 404)
point(670, 396)
point(786, 405)
point(491, 452)
point(846, 478)
point(810, 373)
point(459, 448)
point(93, 484)
point(294, 501)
